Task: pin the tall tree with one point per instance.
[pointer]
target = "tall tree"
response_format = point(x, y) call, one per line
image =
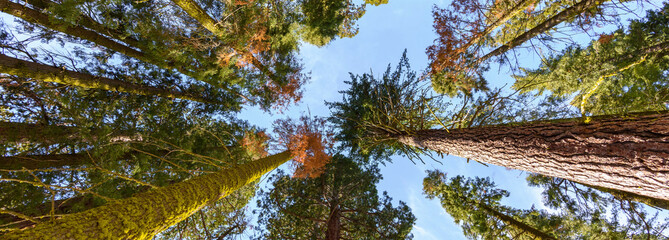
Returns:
point(620, 72)
point(622, 152)
point(467, 28)
point(143, 216)
point(474, 203)
point(342, 203)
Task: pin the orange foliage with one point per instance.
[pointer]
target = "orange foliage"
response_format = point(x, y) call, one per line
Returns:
point(605, 38)
point(307, 139)
point(255, 143)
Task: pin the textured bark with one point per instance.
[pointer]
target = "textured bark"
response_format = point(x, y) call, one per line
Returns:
point(62, 206)
point(333, 231)
point(146, 214)
point(32, 162)
point(515, 223)
point(570, 12)
point(195, 11)
point(39, 18)
point(627, 153)
point(48, 73)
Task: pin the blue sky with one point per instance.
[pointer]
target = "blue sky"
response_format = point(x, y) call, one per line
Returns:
point(385, 31)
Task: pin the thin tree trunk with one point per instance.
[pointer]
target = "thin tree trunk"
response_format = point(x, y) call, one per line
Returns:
point(195, 11)
point(28, 132)
point(146, 214)
point(32, 162)
point(52, 134)
point(542, 27)
point(627, 196)
point(515, 223)
point(48, 73)
point(628, 153)
point(37, 17)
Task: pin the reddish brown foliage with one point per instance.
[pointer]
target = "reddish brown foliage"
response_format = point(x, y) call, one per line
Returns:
point(605, 38)
point(255, 143)
point(307, 139)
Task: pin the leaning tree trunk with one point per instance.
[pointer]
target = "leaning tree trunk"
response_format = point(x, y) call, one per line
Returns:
point(18, 132)
point(627, 153)
point(33, 162)
point(562, 16)
point(48, 73)
point(40, 18)
point(144, 215)
point(536, 233)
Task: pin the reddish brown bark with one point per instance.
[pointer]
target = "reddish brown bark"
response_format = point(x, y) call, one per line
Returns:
point(627, 153)
point(333, 231)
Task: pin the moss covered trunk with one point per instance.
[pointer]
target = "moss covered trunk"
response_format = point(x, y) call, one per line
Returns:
point(28, 132)
point(17, 132)
point(32, 162)
point(48, 73)
point(40, 18)
point(143, 216)
point(627, 153)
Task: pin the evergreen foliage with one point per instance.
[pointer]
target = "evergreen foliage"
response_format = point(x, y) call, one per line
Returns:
point(342, 202)
point(621, 72)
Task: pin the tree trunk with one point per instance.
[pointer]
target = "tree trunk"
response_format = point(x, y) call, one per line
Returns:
point(570, 12)
point(538, 234)
point(62, 206)
point(52, 134)
point(28, 132)
point(39, 18)
point(32, 162)
point(146, 214)
point(48, 73)
point(333, 231)
point(627, 153)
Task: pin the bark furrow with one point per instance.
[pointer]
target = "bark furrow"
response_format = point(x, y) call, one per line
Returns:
point(627, 153)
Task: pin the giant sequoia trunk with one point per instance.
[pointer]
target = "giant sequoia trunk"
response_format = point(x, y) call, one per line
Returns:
point(627, 153)
point(143, 216)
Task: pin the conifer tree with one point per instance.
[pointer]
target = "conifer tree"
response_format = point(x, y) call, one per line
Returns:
point(622, 152)
point(620, 72)
point(341, 203)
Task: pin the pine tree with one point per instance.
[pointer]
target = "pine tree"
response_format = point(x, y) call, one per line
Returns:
point(342, 203)
point(467, 29)
point(622, 152)
point(620, 72)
